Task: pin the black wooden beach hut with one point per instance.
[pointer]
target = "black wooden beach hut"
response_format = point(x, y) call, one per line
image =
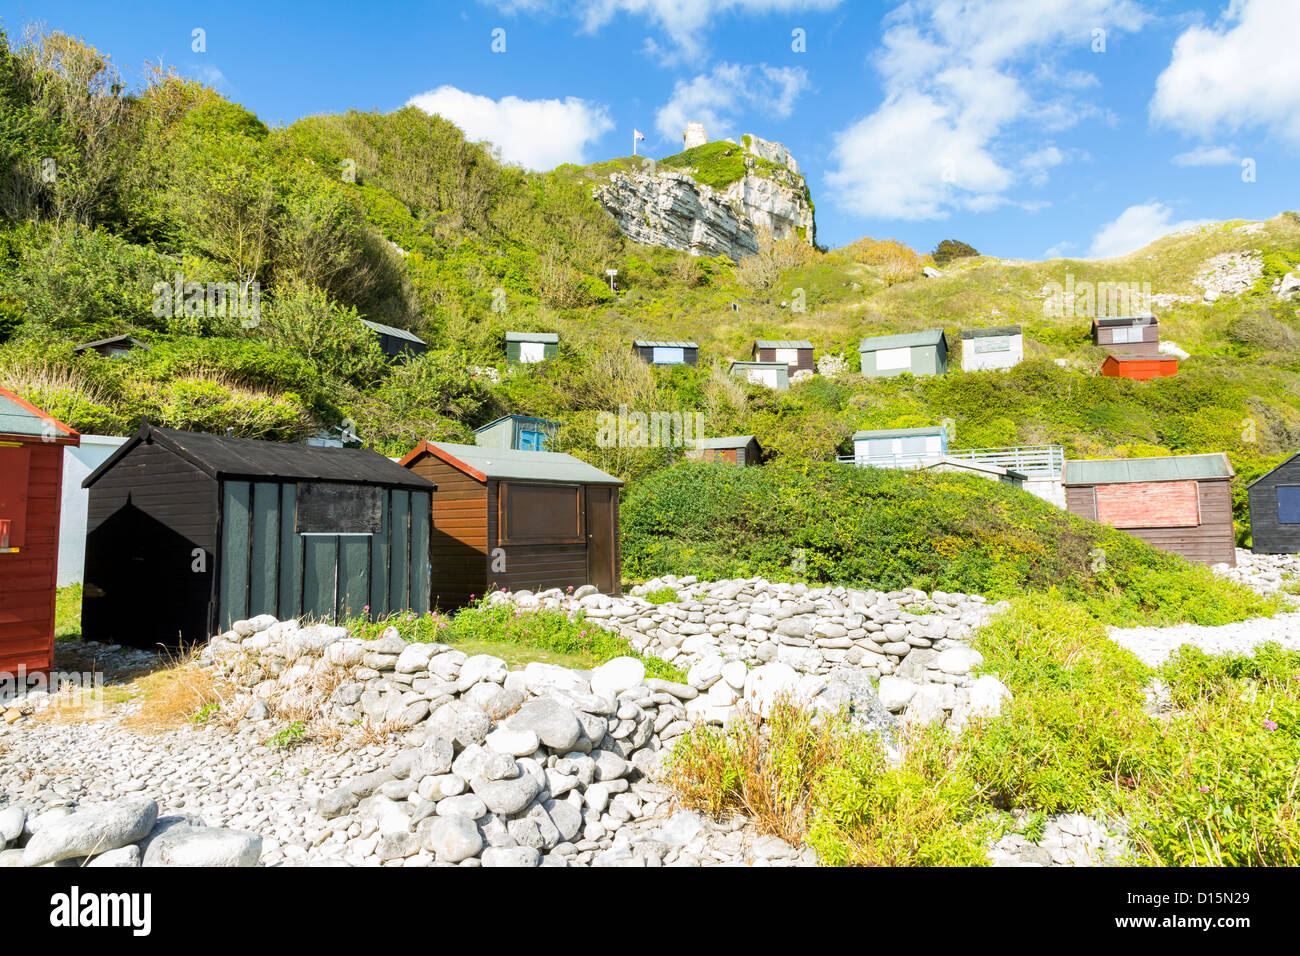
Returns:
point(1275, 509)
point(187, 533)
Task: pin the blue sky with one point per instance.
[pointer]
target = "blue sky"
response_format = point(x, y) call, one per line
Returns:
point(1028, 128)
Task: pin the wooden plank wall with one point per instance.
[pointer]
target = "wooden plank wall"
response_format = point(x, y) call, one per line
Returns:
point(145, 517)
point(458, 550)
point(27, 597)
point(804, 360)
point(1268, 536)
point(533, 566)
point(1213, 541)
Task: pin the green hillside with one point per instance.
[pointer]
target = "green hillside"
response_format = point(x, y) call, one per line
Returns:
point(109, 190)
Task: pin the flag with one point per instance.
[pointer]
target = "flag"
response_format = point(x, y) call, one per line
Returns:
point(638, 134)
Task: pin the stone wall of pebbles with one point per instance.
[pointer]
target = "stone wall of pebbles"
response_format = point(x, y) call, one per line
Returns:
point(917, 645)
point(1266, 573)
point(123, 833)
point(540, 766)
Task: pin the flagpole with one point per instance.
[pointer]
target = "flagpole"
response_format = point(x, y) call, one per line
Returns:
point(633, 142)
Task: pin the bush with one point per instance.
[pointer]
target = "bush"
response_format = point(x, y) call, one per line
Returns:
point(886, 529)
point(950, 249)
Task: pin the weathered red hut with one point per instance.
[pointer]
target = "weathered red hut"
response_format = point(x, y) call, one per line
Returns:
point(1139, 367)
point(1181, 503)
point(31, 479)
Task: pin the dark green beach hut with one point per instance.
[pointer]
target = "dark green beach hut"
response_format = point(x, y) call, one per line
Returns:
point(188, 533)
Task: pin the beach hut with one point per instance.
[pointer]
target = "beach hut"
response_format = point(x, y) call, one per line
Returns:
point(1128, 335)
point(736, 449)
point(525, 348)
point(31, 470)
point(1182, 503)
point(667, 353)
point(517, 520)
point(1001, 347)
point(78, 462)
point(519, 432)
point(396, 342)
point(772, 374)
point(796, 354)
point(1139, 367)
point(187, 533)
point(1275, 509)
point(920, 353)
point(898, 447)
point(114, 347)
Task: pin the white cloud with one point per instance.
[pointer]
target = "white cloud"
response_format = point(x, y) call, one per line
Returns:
point(1059, 250)
point(1135, 227)
point(716, 99)
point(953, 75)
point(1208, 156)
point(683, 21)
point(538, 134)
point(1243, 73)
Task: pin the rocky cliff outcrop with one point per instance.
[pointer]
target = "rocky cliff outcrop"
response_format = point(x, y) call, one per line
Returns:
point(669, 207)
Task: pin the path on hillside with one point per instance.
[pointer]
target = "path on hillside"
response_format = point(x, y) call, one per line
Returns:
point(1263, 573)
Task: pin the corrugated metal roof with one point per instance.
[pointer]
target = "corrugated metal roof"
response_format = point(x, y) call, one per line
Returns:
point(899, 432)
point(511, 465)
point(547, 338)
point(393, 331)
point(732, 441)
point(17, 417)
point(877, 342)
point(782, 344)
point(223, 457)
point(1113, 471)
point(664, 345)
point(983, 333)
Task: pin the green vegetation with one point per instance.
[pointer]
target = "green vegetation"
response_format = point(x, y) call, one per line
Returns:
point(518, 636)
point(887, 529)
point(67, 613)
point(287, 737)
point(1213, 782)
point(950, 249)
point(664, 595)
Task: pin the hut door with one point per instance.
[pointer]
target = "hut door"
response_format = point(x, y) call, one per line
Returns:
point(600, 537)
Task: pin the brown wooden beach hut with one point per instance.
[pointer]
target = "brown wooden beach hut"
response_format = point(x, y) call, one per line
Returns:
point(31, 476)
point(1181, 503)
point(517, 520)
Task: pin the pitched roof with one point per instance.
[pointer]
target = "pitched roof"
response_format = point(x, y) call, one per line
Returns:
point(113, 340)
point(222, 457)
point(927, 430)
point(508, 464)
point(1124, 320)
point(983, 333)
point(1113, 471)
point(731, 441)
point(782, 344)
point(548, 338)
point(746, 363)
point(393, 331)
point(643, 344)
point(874, 343)
point(20, 419)
point(1280, 466)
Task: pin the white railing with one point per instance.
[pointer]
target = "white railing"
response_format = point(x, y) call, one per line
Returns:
point(1026, 459)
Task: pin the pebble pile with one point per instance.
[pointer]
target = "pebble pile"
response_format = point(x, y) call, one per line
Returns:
point(1266, 573)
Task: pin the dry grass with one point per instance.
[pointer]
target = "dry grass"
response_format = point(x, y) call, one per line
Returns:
point(172, 696)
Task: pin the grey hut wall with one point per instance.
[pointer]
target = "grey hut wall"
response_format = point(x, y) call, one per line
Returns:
point(1267, 534)
point(266, 567)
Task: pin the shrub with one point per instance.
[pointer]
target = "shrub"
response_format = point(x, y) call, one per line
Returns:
point(950, 249)
point(663, 595)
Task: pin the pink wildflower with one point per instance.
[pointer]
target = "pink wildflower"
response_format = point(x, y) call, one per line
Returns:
point(1270, 725)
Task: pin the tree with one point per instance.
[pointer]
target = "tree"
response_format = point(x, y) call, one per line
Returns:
point(950, 249)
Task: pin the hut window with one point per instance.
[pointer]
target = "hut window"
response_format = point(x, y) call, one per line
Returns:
point(993, 343)
point(540, 514)
point(1155, 504)
point(1288, 504)
point(763, 376)
point(664, 355)
point(1131, 334)
point(788, 356)
point(531, 351)
point(914, 446)
point(330, 508)
point(893, 358)
point(14, 466)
